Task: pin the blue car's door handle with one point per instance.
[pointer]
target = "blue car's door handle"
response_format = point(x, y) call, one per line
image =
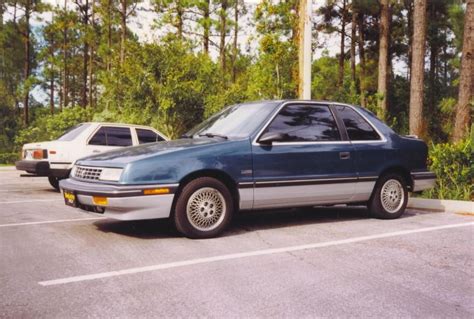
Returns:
point(344, 155)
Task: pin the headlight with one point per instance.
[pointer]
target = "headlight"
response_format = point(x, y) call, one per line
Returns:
point(110, 174)
point(73, 171)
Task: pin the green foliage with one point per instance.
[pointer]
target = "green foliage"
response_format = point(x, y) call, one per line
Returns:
point(9, 158)
point(272, 75)
point(165, 86)
point(324, 82)
point(453, 166)
point(50, 127)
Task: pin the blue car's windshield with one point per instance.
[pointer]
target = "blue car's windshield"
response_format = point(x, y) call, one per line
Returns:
point(239, 120)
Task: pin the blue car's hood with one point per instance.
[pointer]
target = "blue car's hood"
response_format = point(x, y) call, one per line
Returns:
point(123, 156)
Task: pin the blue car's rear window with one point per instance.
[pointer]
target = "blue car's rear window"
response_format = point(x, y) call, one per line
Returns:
point(236, 121)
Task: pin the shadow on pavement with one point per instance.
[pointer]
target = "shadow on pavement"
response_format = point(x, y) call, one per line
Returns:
point(243, 222)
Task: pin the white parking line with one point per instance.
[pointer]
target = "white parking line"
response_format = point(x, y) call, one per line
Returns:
point(31, 201)
point(243, 255)
point(51, 221)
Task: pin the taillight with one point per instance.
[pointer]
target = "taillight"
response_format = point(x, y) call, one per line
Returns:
point(38, 154)
point(52, 152)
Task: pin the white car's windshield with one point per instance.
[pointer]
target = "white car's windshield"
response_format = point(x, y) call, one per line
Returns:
point(73, 132)
point(239, 120)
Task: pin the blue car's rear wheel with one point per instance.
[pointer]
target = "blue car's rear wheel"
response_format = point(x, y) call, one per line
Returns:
point(204, 208)
point(389, 198)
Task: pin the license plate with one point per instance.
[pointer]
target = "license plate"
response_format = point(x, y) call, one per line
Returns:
point(70, 198)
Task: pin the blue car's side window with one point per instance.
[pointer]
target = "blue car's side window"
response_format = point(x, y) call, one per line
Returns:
point(305, 123)
point(357, 128)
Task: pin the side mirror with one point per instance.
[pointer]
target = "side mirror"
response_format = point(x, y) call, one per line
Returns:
point(270, 137)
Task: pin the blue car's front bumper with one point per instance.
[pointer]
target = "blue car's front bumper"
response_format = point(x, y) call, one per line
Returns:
point(121, 202)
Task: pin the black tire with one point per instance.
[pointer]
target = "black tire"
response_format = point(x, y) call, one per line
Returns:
point(199, 195)
point(389, 198)
point(54, 181)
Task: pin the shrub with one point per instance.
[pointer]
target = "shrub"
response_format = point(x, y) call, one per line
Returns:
point(452, 164)
point(9, 158)
point(50, 127)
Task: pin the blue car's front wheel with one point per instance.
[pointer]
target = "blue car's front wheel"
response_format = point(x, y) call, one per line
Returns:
point(204, 208)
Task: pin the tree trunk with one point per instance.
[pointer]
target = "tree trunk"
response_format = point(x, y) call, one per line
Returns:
point(304, 50)
point(363, 99)
point(27, 64)
point(417, 68)
point(409, 7)
point(65, 89)
point(223, 27)
point(60, 92)
point(51, 82)
point(206, 16)
point(234, 45)
point(91, 58)
point(434, 50)
point(340, 78)
point(73, 89)
point(384, 28)
point(123, 29)
point(466, 82)
point(295, 40)
point(2, 10)
point(353, 46)
point(109, 34)
point(180, 23)
point(51, 94)
point(85, 22)
point(432, 78)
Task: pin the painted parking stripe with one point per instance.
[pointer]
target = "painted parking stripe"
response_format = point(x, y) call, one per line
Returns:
point(32, 201)
point(244, 255)
point(51, 221)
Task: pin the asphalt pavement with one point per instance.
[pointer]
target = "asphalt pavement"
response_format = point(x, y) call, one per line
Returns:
point(56, 262)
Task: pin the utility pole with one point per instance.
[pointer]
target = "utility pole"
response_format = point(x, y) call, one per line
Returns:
point(304, 50)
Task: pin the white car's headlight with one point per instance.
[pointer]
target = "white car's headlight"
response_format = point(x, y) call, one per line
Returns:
point(111, 174)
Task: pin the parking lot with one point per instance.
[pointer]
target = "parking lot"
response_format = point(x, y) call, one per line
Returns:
point(337, 262)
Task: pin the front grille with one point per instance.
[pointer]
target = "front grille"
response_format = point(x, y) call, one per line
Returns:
point(87, 173)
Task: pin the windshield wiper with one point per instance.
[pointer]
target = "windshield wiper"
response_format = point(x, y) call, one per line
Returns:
point(214, 135)
point(186, 136)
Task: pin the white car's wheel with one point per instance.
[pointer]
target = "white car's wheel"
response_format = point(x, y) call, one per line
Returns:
point(54, 181)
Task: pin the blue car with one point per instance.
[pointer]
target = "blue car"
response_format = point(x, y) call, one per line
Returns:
point(251, 156)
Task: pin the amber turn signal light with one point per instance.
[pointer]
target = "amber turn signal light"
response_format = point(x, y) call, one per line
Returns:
point(99, 200)
point(156, 191)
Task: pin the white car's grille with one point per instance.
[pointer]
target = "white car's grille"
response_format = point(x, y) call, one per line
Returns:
point(87, 173)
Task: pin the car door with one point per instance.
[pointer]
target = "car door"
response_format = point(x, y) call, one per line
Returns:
point(108, 137)
point(312, 163)
point(370, 151)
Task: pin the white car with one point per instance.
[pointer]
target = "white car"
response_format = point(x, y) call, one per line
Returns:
point(55, 159)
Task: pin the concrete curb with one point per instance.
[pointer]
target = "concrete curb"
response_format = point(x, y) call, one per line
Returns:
point(7, 168)
point(456, 206)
